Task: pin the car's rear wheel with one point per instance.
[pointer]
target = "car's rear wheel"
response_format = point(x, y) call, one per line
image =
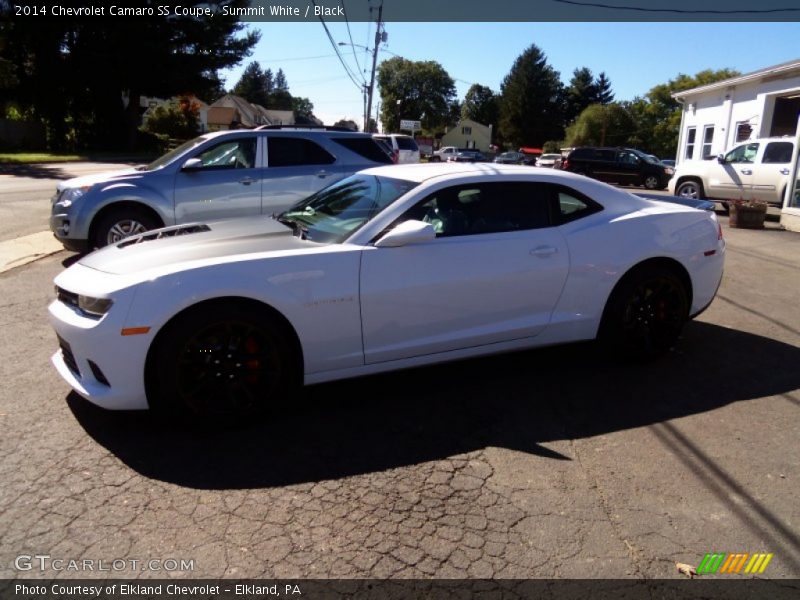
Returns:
point(652, 182)
point(215, 362)
point(690, 189)
point(435, 158)
point(646, 312)
point(120, 223)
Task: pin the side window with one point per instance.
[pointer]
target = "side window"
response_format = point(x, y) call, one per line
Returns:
point(605, 155)
point(485, 208)
point(778, 152)
point(295, 152)
point(708, 139)
point(572, 205)
point(627, 158)
point(742, 154)
point(230, 154)
point(691, 138)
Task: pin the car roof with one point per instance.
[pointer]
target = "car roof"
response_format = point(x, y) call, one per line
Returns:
point(420, 172)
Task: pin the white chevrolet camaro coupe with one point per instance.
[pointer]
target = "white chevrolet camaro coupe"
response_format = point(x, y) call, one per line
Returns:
point(391, 268)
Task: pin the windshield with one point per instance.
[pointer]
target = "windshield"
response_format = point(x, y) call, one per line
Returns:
point(172, 154)
point(331, 215)
point(647, 157)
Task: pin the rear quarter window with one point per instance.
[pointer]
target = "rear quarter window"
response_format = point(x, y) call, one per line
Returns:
point(406, 143)
point(366, 148)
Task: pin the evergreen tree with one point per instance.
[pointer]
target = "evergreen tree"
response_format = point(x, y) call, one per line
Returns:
point(280, 81)
point(581, 92)
point(603, 93)
point(531, 105)
point(481, 105)
point(252, 86)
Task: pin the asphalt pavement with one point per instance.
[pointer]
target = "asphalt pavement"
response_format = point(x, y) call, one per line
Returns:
point(550, 463)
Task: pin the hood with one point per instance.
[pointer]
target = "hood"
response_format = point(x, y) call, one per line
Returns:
point(96, 178)
point(193, 242)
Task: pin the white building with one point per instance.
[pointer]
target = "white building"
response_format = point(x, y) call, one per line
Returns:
point(717, 116)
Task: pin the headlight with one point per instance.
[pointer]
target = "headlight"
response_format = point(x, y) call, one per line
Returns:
point(68, 196)
point(669, 171)
point(95, 307)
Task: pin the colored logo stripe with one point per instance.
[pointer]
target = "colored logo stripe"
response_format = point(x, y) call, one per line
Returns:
point(758, 563)
point(711, 562)
point(722, 562)
point(734, 563)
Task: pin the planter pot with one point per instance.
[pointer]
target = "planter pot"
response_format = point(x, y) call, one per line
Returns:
point(747, 217)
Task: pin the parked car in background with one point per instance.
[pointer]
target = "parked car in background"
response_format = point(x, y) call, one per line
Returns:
point(393, 267)
point(513, 158)
point(468, 156)
point(215, 176)
point(403, 145)
point(625, 166)
point(548, 160)
point(757, 170)
point(443, 153)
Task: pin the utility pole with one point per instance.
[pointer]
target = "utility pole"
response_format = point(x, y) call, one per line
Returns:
point(380, 36)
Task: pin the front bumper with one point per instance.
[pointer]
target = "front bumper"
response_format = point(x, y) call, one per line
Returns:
point(94, 358)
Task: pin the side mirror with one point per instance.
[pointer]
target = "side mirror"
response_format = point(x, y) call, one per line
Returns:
point(193, 164)
point(407, 232)
point(721, 159)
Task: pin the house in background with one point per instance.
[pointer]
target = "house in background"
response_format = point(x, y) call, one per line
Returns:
point(232, 109)
point(469, 134)
point(720, 115)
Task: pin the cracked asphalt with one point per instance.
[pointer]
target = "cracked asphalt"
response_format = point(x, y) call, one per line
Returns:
point(550, 463)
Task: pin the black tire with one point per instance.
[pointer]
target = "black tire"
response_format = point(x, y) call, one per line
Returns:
point(222, 361)
point(645, 314)
point(652, 182)
point(691, 189)
point(435, 158)
point(120, 223)
point(726, 208)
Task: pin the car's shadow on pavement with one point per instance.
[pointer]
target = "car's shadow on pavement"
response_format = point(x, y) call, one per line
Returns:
point(34, 170)
point(518, 401)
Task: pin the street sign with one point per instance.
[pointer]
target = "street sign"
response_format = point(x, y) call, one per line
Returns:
point(410, 125)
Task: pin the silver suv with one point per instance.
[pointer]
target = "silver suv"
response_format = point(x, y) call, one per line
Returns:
point(215, 176)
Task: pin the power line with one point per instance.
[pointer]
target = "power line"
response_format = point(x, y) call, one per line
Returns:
point(336, 49)
point(679, 10)
point(352, 45)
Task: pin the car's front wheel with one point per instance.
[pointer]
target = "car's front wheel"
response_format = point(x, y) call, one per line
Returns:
point(120, 223)
point(690, 189)
point(646, 312)
point(652, 182)
point(218, 361)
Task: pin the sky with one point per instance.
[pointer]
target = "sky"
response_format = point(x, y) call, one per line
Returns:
point(635, 56)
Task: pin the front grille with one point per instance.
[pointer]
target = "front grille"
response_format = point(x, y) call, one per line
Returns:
point(69, 358)
point(68, 298)
point(164, 233)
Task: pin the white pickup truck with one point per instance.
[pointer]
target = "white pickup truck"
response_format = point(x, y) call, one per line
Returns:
point(442, 154)
point(757, 170)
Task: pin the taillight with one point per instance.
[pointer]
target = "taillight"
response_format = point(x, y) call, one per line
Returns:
point(565, 164)
point(719, 230)
point(395, 156)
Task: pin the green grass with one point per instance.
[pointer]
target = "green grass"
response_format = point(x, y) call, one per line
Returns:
point(26, 158)
point(38, 157)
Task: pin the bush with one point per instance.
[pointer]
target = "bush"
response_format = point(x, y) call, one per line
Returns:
point(177, 118)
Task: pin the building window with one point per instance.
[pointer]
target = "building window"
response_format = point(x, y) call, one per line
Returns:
point(708, 138)
point(691, 135)
point(466, 131)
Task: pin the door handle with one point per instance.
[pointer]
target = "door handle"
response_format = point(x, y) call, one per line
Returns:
point(322, 174)
point(544, 251)
point(247, 181)
point(746, 172)
point(784, 171)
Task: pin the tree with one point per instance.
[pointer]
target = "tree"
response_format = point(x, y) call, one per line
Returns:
point(83, 78)
point(657, 115)
point(580, 93)
point(601, 125)
point(349, 123)
point(373, 126)
point(481, 105)
point(177, 118)
point(603, 93)
point(253, 85)
point(303, 111)
point(531, 109)
point(280, 98)
point(415, 90)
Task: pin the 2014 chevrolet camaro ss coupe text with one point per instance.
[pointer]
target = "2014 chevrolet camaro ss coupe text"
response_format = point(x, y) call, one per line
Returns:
point(392, 267)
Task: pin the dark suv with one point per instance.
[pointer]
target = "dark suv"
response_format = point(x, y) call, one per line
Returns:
point(625, 166)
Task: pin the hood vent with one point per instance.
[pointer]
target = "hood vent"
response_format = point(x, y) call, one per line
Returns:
point(164, 233)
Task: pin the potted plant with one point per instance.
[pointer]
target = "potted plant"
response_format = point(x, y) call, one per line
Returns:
point(747, 214)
